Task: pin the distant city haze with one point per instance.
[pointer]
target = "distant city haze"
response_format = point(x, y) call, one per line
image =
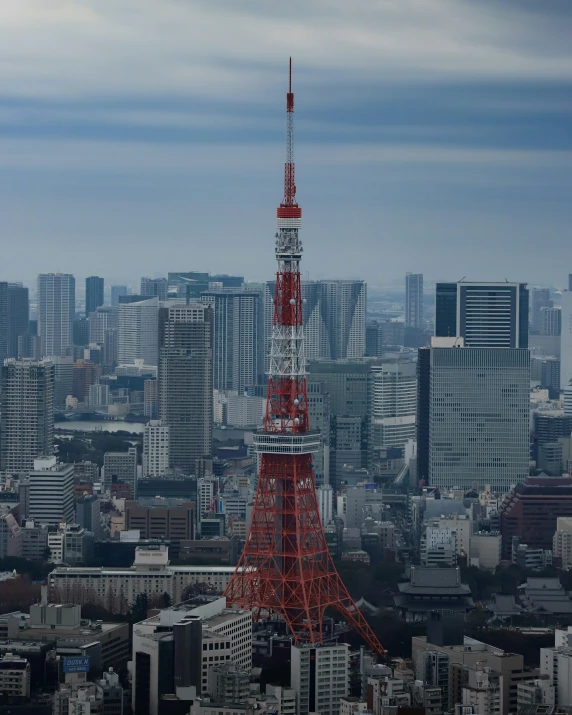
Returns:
point(143, 147)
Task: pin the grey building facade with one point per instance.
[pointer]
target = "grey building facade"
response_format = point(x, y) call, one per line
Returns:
point(237, 339)
point(473, 417)
point(93, 294)
point(185, 381)
point(414, 300)
point(26, 413)
point(56, 312)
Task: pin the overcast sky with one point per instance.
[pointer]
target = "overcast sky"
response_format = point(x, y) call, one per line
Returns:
point(142, 136)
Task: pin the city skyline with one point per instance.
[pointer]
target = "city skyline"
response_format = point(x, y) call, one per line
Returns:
point(435, 137)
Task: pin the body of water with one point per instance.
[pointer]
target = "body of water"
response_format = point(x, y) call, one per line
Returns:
point(99, 426)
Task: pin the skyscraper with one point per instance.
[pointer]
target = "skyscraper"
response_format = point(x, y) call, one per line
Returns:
point(343, 306)
point(373, 339)
point(540, 299)
point(116, 292)
point(566, 340)
point(185, 381)
point(3, 320)
point(51, 494)
point(93, 294)
point(104, 318)
point(473, 416)
point(393, 404)
point(26, 414)
point(137, 334)
point(414, 300)
point(238, 343)
point(154, 287)
point(485, 315)
point(18, 316)
point(56, 312)
point(551, 321)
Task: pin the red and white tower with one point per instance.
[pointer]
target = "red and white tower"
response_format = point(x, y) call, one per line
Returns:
point(286, 568)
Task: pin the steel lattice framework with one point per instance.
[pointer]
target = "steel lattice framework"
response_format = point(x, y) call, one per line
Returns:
point(286, 568)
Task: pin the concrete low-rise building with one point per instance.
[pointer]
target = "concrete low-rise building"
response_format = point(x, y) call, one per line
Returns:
point(63, 624)
point(151, 574)
point(15, 676)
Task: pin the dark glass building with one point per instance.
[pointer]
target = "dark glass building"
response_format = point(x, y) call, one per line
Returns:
point(486, 315)
point(93, 294)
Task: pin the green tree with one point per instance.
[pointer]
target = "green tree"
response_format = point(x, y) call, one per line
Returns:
point(139, 608)
point(167, 600)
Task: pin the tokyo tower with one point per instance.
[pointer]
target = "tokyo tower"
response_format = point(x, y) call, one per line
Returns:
point(286, 568)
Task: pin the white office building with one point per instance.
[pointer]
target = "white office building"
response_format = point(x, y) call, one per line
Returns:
point(138, 332)
point(155, 448)
point(556, 664)
point(151, 573)
point(325, 494)
point(56, 312)
point(51, 493)
point(393, 400)
point(562, 542)
point(319, 675)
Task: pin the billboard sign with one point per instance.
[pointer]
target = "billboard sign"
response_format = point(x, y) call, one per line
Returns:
point(76, 664)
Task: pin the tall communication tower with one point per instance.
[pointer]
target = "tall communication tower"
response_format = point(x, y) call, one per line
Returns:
point(286, 568)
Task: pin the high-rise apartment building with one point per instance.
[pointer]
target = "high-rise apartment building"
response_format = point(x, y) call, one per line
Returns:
point(63, 379)
point(155, 449)
point(373, 339)
point(18, 317)
point(103, 318)
point(93, 294)
point(56, 312)
point(138, 332)
point(26, 413)
point(393, 404)
point(334, 319)
point(485, 315)
point(154, 287)
point(473, 416)
point(185, 381)
point(343, 307)
point(540, 298)
point(116, 292)
point(3, 320)
point(414, 300)
point(51, 494)
point(320, 677)
point(238, 338)
point(551, 320)
point(566, 340)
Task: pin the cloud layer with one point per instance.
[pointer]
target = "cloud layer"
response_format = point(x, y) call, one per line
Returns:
point(139, 135)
